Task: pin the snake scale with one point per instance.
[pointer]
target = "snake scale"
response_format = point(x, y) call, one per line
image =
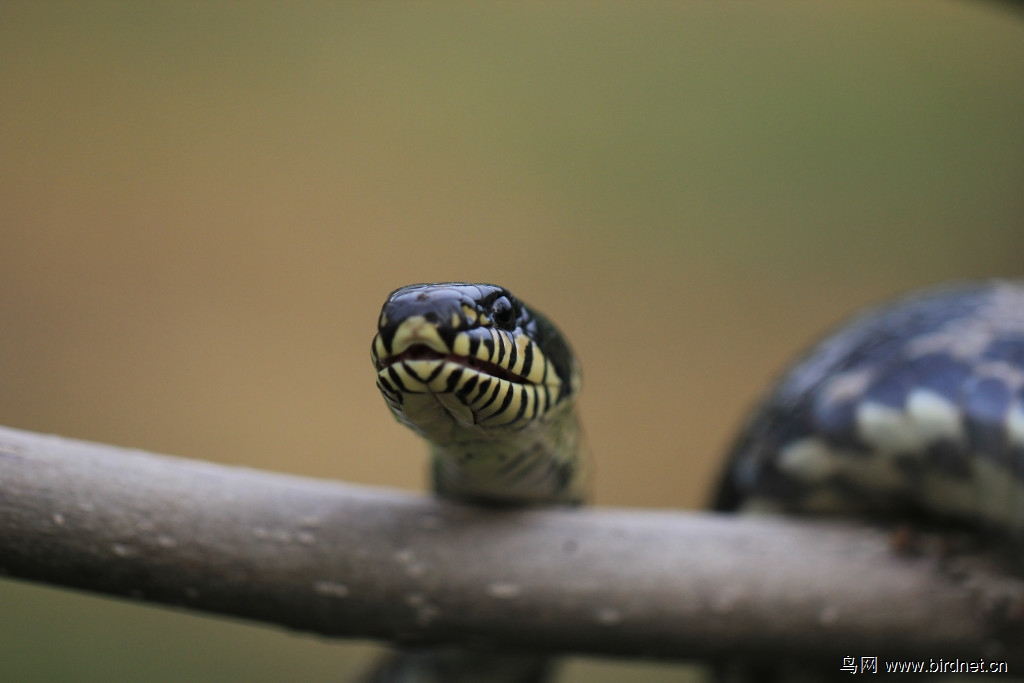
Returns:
point(914, 408)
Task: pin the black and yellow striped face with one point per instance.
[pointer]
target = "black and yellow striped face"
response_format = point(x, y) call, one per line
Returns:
point(458, 361)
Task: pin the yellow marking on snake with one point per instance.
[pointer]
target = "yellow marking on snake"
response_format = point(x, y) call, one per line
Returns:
point(461, 346)
point(417, 330)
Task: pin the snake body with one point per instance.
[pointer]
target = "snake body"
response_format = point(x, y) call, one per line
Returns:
point(491, 385)
point(913, 407)
point(913, 410)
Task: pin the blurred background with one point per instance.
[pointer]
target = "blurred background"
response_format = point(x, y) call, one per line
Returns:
point(203, 206)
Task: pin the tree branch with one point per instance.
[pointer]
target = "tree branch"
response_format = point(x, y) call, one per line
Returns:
point(341, 560)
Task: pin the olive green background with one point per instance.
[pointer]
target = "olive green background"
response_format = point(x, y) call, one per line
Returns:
point(202, 207)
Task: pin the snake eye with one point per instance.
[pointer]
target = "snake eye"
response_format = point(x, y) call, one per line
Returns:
point(503, 313)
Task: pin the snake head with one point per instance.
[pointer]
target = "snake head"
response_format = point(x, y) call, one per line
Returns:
point(454, 358)
point(433, 315)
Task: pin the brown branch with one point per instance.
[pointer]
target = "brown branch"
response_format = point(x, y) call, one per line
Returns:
point(349, 561)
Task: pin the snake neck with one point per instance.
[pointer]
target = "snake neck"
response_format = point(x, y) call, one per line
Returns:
point(543, 464)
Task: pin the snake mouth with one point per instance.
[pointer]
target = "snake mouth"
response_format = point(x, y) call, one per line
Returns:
point(424, 352)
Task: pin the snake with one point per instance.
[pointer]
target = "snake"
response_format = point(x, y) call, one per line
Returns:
point(912, 408)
